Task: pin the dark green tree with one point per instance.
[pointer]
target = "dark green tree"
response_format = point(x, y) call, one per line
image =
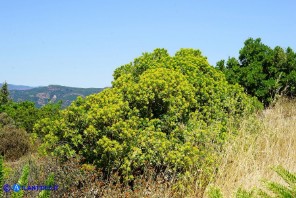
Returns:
point(289, 73)
point(263, 72)
point(4, 94)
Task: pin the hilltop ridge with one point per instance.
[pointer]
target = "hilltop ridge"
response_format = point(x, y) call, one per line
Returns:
point(51, 93)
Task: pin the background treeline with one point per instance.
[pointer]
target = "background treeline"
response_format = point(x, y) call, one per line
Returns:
point(25, 114)
point(262, 71)
point(163, 126)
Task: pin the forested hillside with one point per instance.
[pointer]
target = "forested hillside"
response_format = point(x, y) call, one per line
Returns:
point(52, 93)
point(17, 87)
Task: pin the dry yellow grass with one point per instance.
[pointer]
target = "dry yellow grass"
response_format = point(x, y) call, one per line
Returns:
point(265, 141)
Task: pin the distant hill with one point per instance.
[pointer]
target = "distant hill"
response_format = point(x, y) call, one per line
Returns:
point(17, 87)
point(52, 93)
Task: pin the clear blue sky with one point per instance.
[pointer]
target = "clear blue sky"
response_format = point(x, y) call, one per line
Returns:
point(80, 43)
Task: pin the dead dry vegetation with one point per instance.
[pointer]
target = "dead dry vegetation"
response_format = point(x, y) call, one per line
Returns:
point(264, 141)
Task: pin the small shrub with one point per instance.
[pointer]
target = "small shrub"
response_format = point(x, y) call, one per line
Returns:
point(14, 142)
point(5, 120)
point(214, 192)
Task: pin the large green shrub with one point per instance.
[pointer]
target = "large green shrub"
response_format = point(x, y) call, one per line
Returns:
point(162, 112)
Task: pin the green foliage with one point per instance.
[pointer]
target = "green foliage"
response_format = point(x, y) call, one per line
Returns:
point(4, 94)
point(51, 111)
point(162, 112)
point(5, 120)
point(25, 114)
point(262, 71)
point(214, 192)
point(241, 193)
point(49, 182)
point(14, 142)
point(280, 190)
point(30, 171)
point(274, 189)
point(23, 181)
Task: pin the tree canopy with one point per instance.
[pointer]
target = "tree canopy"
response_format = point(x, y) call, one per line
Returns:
point(263, 72)
point(4, 94)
